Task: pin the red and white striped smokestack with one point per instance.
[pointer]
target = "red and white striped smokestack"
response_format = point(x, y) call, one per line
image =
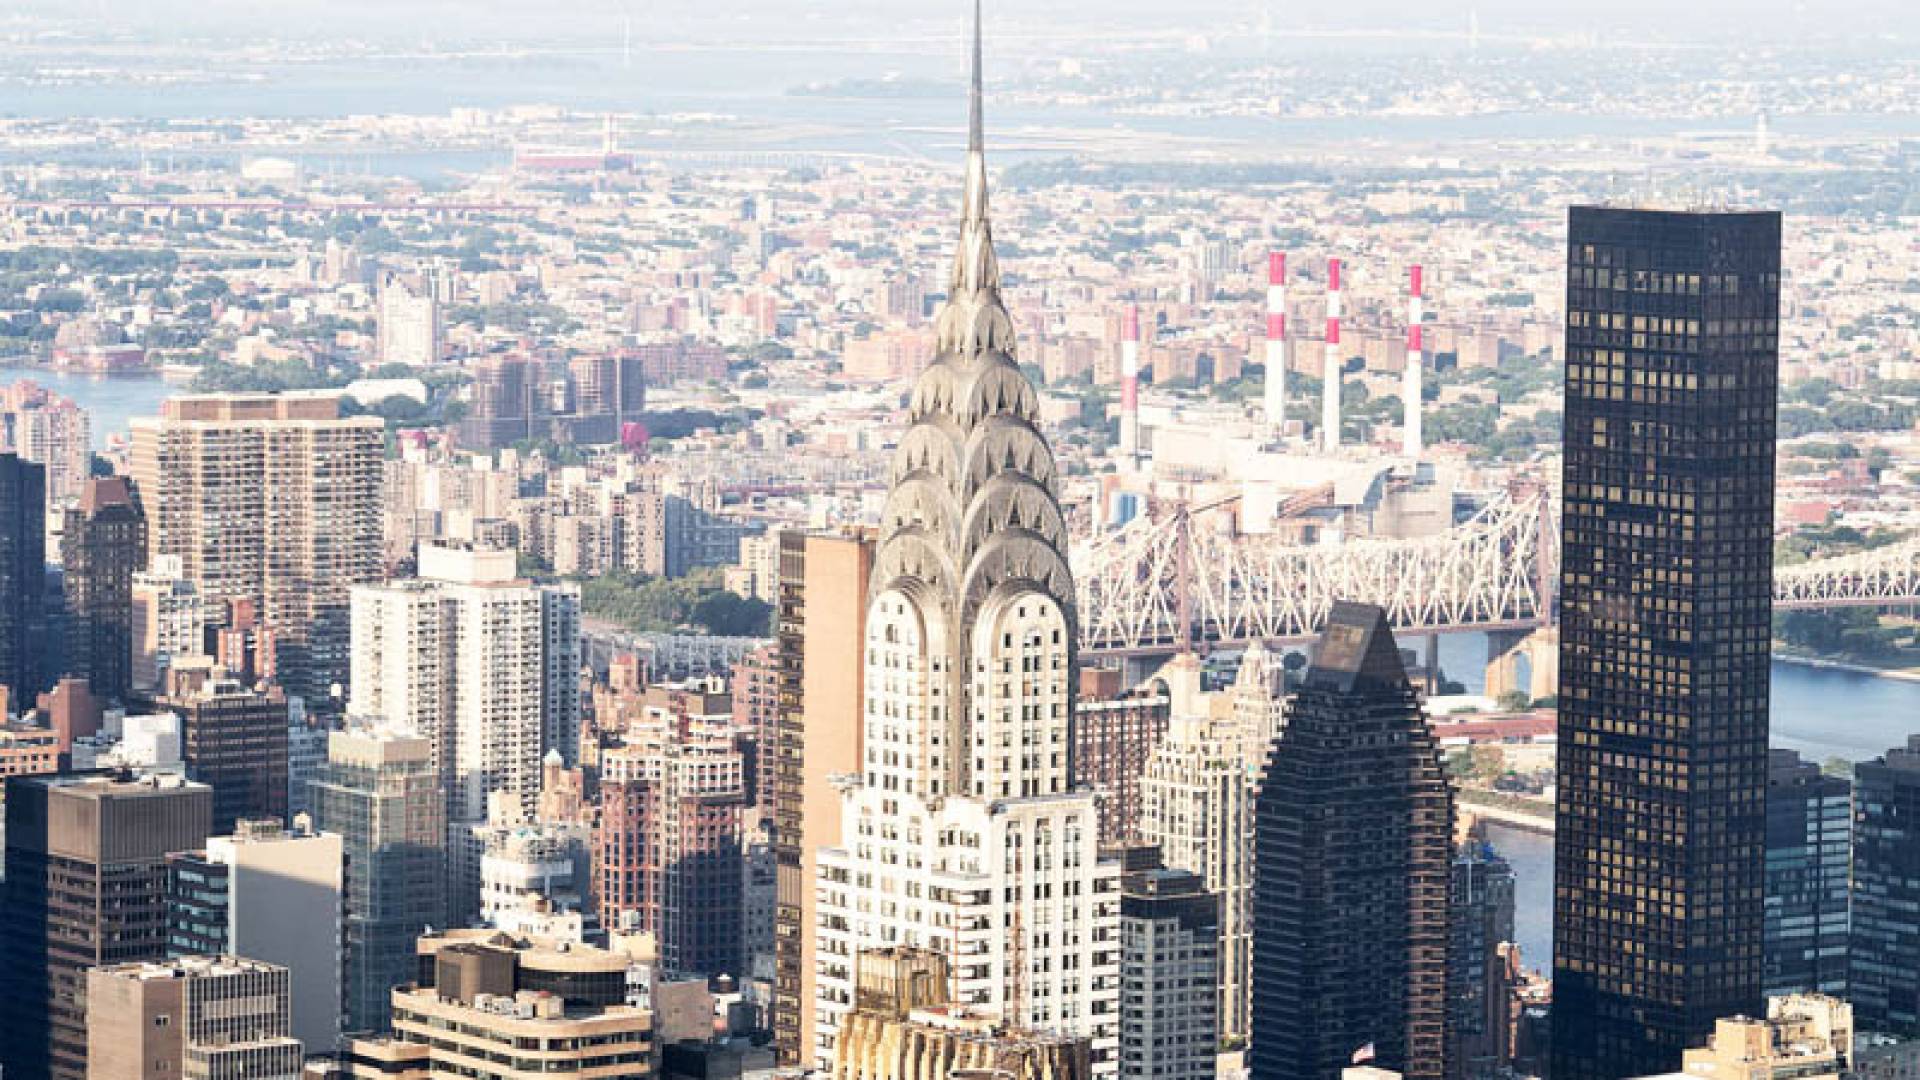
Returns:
point(1276, 389)
point(1330, 407)
point(1130, 385)
point(1411, 389)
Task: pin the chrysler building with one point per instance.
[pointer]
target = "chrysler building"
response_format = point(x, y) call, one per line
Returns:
point(963, 833)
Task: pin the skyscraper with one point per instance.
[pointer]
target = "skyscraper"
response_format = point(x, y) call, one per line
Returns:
point(821, 625)
point(963, 834)
point(86, 886)
point(483, 663)
point(1481, 912)
point(1809, 864)
point(1353, 840)
point(379, 793)
point(1169, 972)
point(103, 542)
point(23, 575)
point(272, 500)
point(233, 739)
point(1883, 969)
point(1665, 630)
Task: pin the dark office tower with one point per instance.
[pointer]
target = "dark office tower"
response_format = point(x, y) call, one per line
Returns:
point(23, 576)
point(1809, 853)
point(86, 886)
point(1883, 972)
point(103, 541)
point(233, 738)
point(1352, 844)
point(380, 794)
point(1665, 610)
point(1481, 910)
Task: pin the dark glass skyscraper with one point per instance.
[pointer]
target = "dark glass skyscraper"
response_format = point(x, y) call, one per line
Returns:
point(1352, 844)
point(1809, 853)
point(1883, 978)
point(23, 576)
point(1665, 601)
point(103, 542)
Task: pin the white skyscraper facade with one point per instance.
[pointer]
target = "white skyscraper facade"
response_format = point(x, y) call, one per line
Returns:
point(963, 834)
point(483, 664)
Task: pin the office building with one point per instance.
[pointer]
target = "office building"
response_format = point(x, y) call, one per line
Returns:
point(86, 885)
point(1115, 730)
point(480, 661)
point(23, 576)
point(272, 500)
point(273, 895)
point(1809, 869)
point(905, 1026)
point(380, 794)
point(1354, 837)
point(495, 1007)
point(821, 641)
point(964, 832)
point(1666, 588)
point(103, 542)
point(1883, 959)
point(1481, 913)
point(1169, 974)
point(1802, 1037)
point(1197, 808)
point(194, 1018)
point(233, 739)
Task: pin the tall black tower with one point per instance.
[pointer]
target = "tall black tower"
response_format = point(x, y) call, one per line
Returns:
point(1665, 609)
point(23, 578)
point(1352, 846)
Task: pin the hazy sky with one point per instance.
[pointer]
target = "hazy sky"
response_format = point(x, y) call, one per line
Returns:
point(1785, 20)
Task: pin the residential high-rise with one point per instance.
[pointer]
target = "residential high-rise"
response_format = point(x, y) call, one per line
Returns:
point(964, 833)
point(504, 403)
point(671, 847)
point(50, 431)
point(1666, 587)
point(1354, 837)
point(1169, 971)
point(410, 322)
point(1809, 870)
point(23, 576)
point(169, 621)
point(380, 794)
point(273, 500)
point(821, 628)
point(233, 739)
point(1196, 806)
point(86, 885)
point(1115, 730)
point(483, 663)
point(1883, 956)
point(103, 543)
point(194, 1018)
point(272, 895)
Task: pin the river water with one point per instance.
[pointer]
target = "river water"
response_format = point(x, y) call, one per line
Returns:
point(1821, 713)
point(110, 400)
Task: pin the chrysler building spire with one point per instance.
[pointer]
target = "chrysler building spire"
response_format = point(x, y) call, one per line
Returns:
point(973, 522)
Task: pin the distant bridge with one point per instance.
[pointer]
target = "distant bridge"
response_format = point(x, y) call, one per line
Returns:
point(1157, 587)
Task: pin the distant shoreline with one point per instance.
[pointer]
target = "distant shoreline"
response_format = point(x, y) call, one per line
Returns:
point(1823, 664)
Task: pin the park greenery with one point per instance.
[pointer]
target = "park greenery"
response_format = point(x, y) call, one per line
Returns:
point(698, 602)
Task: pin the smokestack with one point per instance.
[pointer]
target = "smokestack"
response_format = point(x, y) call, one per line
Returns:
point(1330, 408)
point(1130, 387)
point(1276, 390)
point(1411, 390)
